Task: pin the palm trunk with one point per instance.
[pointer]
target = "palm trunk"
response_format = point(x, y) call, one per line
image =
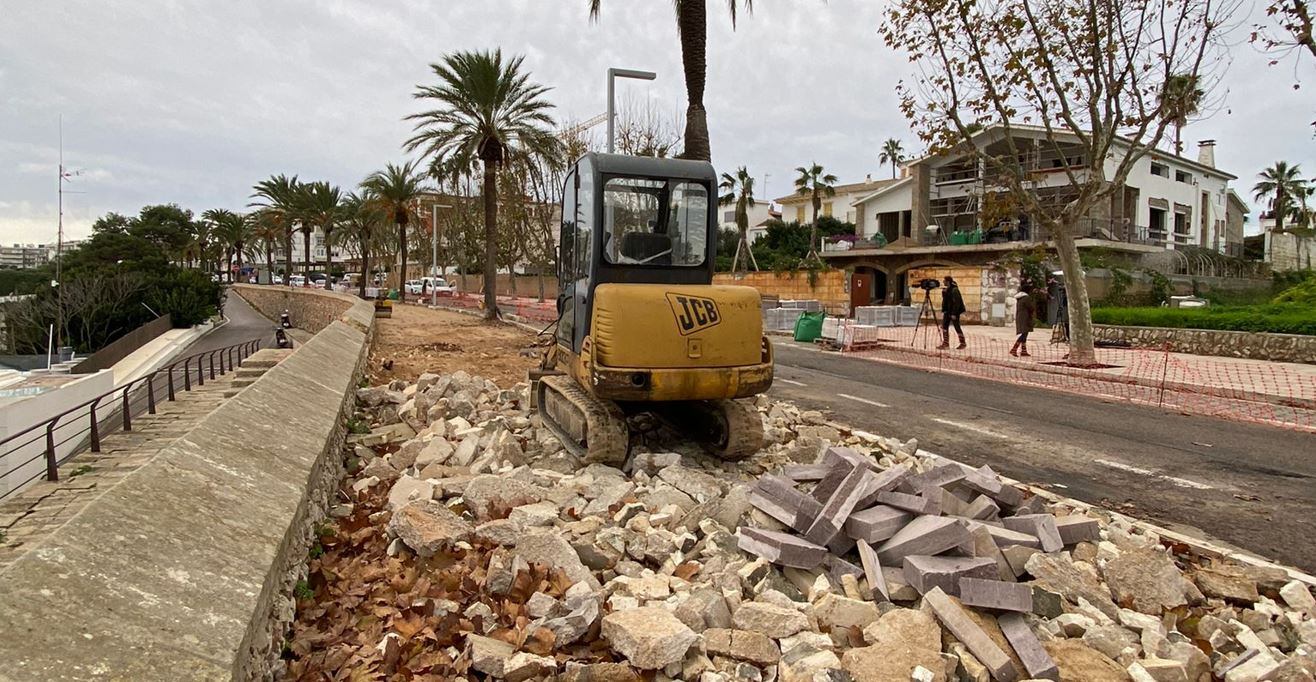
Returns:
point(328, 261)
point(813, 230)
point(239, 250)
point(402, 281)
point(692, 24)
point(269, 261)
point(287, 257)
point(490, 245)
point(306, 252)
point(893, 169)
point(365, 263)
point(1081, 344)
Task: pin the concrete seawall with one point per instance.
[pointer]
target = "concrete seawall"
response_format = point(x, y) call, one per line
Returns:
point(184, 570)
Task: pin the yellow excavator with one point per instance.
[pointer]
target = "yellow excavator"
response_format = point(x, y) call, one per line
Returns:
point(643, 335)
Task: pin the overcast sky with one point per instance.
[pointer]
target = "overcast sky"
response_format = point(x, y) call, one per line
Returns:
point(192, 101)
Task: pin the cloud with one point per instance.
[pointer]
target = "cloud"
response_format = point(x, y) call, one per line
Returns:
point(192, 102)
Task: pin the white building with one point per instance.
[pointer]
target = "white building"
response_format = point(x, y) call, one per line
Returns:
point(1286, 250)
point(1166, 201)
point(799, 207)
point(23, 256)
point(759, 215)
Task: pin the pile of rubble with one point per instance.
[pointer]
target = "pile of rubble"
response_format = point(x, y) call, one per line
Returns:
point(830, 555)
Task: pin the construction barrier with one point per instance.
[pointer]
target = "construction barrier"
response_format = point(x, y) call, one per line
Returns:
point(1273, 393)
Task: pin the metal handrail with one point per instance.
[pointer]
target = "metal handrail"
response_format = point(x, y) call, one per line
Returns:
point(197, 362)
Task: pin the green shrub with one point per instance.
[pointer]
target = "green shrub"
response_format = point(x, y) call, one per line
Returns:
point(1279, 318)
point(1304, 293)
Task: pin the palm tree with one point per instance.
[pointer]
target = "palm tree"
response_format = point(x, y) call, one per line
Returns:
point(266, 228)
point(490, 112)
point(739, 191)
point(322, 208)
point(394, 192)
point(232, 233)
point(692, 26)
point(278, 197)
point(815, 184)
point(1181, 99)
point(1280, 185)
point(200, 243)
point(892, 153)
point(360, 218)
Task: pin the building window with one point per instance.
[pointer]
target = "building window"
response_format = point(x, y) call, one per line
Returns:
point(799, 214)
point(1160, 169)
point(1156, 228)
point(827, 208)
point(1180, 176)
point(728, 216)
point(1181, 227)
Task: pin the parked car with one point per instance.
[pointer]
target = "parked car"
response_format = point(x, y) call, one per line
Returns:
point(439, 285)
point(297, 281)
point(414, 286)
point(276, 279)
point(318, 282)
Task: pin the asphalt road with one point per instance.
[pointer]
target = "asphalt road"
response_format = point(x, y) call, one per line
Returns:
point(1248, 485)
point(244, 324)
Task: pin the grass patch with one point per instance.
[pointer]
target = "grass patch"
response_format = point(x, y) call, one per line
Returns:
point(1275, 318)
point(303, 590)
point(357, 426)
point(84, 469)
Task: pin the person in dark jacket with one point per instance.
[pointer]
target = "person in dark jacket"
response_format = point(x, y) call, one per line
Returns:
point(952, 306)
point(1025, 309)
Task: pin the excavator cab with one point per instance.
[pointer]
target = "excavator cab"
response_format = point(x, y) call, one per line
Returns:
point(642, 330)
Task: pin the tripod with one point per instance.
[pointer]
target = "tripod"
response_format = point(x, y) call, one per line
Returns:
point(924, 308)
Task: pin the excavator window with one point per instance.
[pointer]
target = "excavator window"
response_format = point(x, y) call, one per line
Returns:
point(648, 221)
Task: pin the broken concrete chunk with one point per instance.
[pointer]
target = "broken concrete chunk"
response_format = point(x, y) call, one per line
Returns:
point(489, 655)
point(407, 490)
point(769, 619)
point(649, 637)
point(995, 594)
point(742, 645)
point(542, 546)
point(1223, 581)
point(915, 504)
point(427, 527)
point(982, 507)
point(927, 572)
point(836, 611)
point(1147, 579)
point(1298, 597)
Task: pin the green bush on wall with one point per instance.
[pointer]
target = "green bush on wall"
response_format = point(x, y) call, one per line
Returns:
point(1278, 318)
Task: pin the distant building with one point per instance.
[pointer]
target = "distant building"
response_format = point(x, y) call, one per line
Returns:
point(24, 256)
point(799, 207)
point(1286, 250)
point(759, 215)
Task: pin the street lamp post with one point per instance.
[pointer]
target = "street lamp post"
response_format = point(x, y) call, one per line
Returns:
point(434, 242)
point(613, 74)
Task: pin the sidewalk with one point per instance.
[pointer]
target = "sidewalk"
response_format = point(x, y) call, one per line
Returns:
point(1279, 393)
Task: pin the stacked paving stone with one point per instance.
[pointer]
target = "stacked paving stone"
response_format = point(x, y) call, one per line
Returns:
point(830, 555)
point(932, 534)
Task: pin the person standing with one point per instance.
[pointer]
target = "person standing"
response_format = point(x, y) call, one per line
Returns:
point(952, 306)
point(1024, 311)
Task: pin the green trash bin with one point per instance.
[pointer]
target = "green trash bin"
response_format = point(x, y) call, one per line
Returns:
point(959, 239)
point(809, 326)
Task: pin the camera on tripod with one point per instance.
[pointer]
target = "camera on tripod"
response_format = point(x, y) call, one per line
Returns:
point(928, 284)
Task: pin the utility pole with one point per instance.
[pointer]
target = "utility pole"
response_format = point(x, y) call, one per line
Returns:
point(64, 176)
point(614, 74)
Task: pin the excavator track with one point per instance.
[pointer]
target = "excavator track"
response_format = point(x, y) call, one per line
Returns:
point(728, 429)
point(591, 429)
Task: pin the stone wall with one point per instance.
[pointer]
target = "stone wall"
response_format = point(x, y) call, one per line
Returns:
point(1256, 346)
point(311, 309)
point(184, 570)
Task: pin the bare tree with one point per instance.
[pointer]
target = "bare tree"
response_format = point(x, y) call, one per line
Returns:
point(1084, 78)
point(644, 130)
point(1294, 20)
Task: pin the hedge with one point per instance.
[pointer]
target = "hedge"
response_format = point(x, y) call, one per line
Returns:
point(1277, 318)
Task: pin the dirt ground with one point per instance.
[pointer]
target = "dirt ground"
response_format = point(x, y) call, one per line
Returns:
point(418, 340)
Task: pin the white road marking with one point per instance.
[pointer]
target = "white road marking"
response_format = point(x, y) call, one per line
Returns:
point(790, 381)
point(1181, 482)
point(968, 427)
point(865, 401)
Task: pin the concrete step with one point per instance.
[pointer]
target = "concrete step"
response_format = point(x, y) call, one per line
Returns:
point(250, 372)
